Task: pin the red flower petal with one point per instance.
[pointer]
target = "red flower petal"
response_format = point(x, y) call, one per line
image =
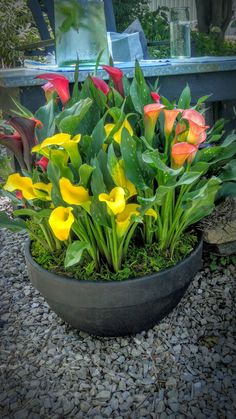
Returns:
point(116, 74)
point(100, 84)
point(59, 83)
point(42, 163)
point(156, 97)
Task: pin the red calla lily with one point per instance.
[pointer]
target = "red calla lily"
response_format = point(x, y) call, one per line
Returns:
point(156, 97)
point(42, 163)
point(101, 85)
point(151, 113)
point(59, 83)
point(182, 152)
point(116, 74)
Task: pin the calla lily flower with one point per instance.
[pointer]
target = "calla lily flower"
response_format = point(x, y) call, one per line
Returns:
point(60, 221)
point(116, 74)
point(42, 163)
point(156, 97)
point(43, 190)
point(118, 134)
point(182, 152)
point(59, 83)
point(151, 113)
point(123, 220)
point(20, 183)
point(170, 116)
point(49, 89)
point(63, 140)
point(29, 190)
point(115, 200)
point(100, 85)
point(197, 127)
point(38, 123)
point(119, 178)
point(71, 194)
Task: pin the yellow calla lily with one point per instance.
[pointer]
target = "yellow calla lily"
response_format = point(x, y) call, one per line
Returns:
point(45, 187)
point(124, 218)
point(60, 221)
point(115, 200)
point(63, 140)
point(21, 183)
point(71, 194)
point(117, 136)
point(118, 175)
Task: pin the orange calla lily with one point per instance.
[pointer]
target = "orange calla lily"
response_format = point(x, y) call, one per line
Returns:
point(170, 116)
point(182, 152)
point(197, 127)
point(151, 113)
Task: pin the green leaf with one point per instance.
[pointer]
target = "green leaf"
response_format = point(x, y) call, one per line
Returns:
point(97, 183)
point(153, 158)
point(99, 212)
point(199, 203)
point(45, 213)
point(98, 138)
point(85, 172)
point(228, 189)
point(54, 175)
point(228, 172)
point(129, 150)
point(46, 114)
point(69, 120)
point(185, 98)
point(12, 225)
point(75, 252)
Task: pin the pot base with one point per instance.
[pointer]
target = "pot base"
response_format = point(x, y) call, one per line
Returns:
point(115, 308)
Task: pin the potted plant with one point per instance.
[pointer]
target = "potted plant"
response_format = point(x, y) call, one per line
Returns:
point(113, 180)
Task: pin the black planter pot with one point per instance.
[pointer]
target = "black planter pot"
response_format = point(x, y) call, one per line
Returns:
point(115, 308)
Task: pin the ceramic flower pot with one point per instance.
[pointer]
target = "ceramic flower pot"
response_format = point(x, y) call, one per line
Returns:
point(115, 308)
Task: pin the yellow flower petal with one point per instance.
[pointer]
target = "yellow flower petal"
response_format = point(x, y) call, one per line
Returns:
point(73, 195)
point(58, 139)
point(117, 136)
point(21, 183)
point(60, 221)
point(123, 220)
point(115, 200)
point(152, 213)
point(45, 187)
point(118, 175)
point(76, 138)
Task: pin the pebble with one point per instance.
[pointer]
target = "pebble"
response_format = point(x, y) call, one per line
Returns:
point(183, 367)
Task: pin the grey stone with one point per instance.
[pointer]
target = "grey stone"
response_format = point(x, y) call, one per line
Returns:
point(104, 395)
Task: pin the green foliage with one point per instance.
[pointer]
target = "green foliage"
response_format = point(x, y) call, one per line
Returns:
point(5, 167)
point(212, 45)
point(217, 261)
point(16, 28)
point(140, 260)
point(127, 11)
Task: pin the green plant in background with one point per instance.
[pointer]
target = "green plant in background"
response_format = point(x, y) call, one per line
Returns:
point(16, 28)
point(127, 11)
point(212, 45)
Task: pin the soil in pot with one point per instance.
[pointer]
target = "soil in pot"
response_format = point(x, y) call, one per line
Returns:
point(140, 261)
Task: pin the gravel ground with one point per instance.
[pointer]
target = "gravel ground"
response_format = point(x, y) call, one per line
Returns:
point(183, 368)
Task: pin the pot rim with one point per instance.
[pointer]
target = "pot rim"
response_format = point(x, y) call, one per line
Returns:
point(110, 282)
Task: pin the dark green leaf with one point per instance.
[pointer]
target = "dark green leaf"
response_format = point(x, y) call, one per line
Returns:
point(75, 252)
